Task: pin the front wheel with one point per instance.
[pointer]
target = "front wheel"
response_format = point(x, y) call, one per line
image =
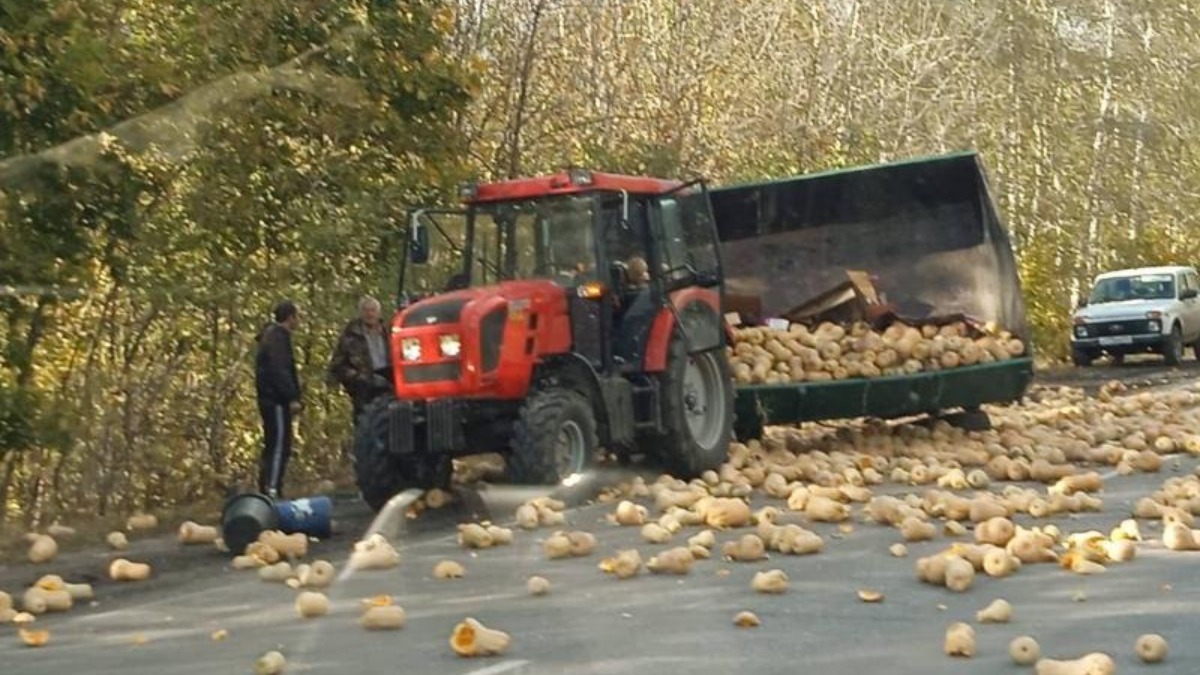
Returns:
point(1173, 347)
point(382, 473)
point(1081, 358)
point(697, 409)
point(554, 437)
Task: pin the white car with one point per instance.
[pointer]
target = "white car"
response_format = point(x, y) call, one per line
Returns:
point(1149, 309)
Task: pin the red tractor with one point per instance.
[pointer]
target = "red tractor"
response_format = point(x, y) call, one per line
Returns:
point(573, 312)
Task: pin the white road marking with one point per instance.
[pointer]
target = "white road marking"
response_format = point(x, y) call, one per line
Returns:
point(502, 667)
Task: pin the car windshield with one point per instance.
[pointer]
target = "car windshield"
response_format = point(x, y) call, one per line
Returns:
point(1133, 287)
point(546, 238)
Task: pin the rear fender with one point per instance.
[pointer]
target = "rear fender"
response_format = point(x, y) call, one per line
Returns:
point(571, 371)
point(700, 313)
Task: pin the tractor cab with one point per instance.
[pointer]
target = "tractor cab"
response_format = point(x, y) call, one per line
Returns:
point(551, 317)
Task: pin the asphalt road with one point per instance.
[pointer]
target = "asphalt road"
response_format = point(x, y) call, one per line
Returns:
point(1137, 371)
point(592, 623)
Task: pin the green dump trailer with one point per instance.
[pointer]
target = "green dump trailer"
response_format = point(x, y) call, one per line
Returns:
point(928, 232)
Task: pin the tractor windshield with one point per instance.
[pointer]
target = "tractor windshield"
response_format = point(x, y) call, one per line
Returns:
point(545, 238)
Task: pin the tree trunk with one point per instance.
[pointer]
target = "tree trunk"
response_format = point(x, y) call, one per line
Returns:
point(524, 79)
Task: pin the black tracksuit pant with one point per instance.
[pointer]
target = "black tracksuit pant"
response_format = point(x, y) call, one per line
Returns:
point(277, 447)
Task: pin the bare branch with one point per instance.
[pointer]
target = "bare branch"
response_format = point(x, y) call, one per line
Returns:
point(171, 130)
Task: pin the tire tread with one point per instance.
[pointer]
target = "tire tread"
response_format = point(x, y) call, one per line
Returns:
point(531, 458)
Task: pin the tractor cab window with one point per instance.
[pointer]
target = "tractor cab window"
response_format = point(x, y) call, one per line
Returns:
point(443, 264)
point(565, 227)
point(624, 243)
point(682, 227)
point(534, 239)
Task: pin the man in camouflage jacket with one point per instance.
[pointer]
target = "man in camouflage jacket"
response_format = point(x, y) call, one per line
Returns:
point(361, 362)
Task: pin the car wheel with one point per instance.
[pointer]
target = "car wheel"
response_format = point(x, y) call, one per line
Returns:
point(1173, 348)
point(1082, 358)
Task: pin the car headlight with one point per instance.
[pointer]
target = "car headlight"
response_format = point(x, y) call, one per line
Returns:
point(410, 349)
point(450, 345)
point(1080, 331)
point(1154, 326)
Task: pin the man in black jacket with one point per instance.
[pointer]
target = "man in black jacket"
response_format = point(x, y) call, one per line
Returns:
point(278, 389)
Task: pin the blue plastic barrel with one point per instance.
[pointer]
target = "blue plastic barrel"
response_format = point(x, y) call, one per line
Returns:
point(244, 517)
point(312, 516)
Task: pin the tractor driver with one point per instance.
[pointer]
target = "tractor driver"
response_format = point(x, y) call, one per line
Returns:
point(638, 271)
point(623, 246)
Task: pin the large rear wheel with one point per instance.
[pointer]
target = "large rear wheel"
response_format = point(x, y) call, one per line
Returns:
point(554, 437)
point(382, 473)
point(697, 408)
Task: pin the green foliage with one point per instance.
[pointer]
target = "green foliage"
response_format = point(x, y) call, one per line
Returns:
point(17, 419)
point(270, 148)
point(1083, 111)
point(285, 193)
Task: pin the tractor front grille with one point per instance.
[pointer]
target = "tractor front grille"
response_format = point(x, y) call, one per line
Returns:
point(442, 425)
point(491, 335)
point(433, 372)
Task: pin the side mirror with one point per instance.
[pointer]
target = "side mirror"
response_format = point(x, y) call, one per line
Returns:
point(418, 240)
point(1081, 304)
point(1188, 293)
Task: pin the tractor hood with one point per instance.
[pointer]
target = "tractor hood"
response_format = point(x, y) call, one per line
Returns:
point(447, 308)
point(478, 341)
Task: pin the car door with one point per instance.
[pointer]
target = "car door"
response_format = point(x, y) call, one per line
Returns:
point(1191, 308)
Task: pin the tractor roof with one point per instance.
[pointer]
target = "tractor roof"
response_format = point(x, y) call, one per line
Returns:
point(570, 182)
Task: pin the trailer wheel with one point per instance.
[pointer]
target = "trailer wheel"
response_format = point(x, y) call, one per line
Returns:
point(380, 473)
point(697, 409)
point(554, 437)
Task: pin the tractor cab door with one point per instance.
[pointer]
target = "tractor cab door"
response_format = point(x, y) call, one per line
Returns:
point(686, 263)
point(434, 259)
point(624, 238)
point(684, 238)
point(624, 246)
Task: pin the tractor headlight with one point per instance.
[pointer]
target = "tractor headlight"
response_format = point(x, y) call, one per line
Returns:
point(1081, 331)
point(1154, 326)
point(450, 345)
point(410, 349)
